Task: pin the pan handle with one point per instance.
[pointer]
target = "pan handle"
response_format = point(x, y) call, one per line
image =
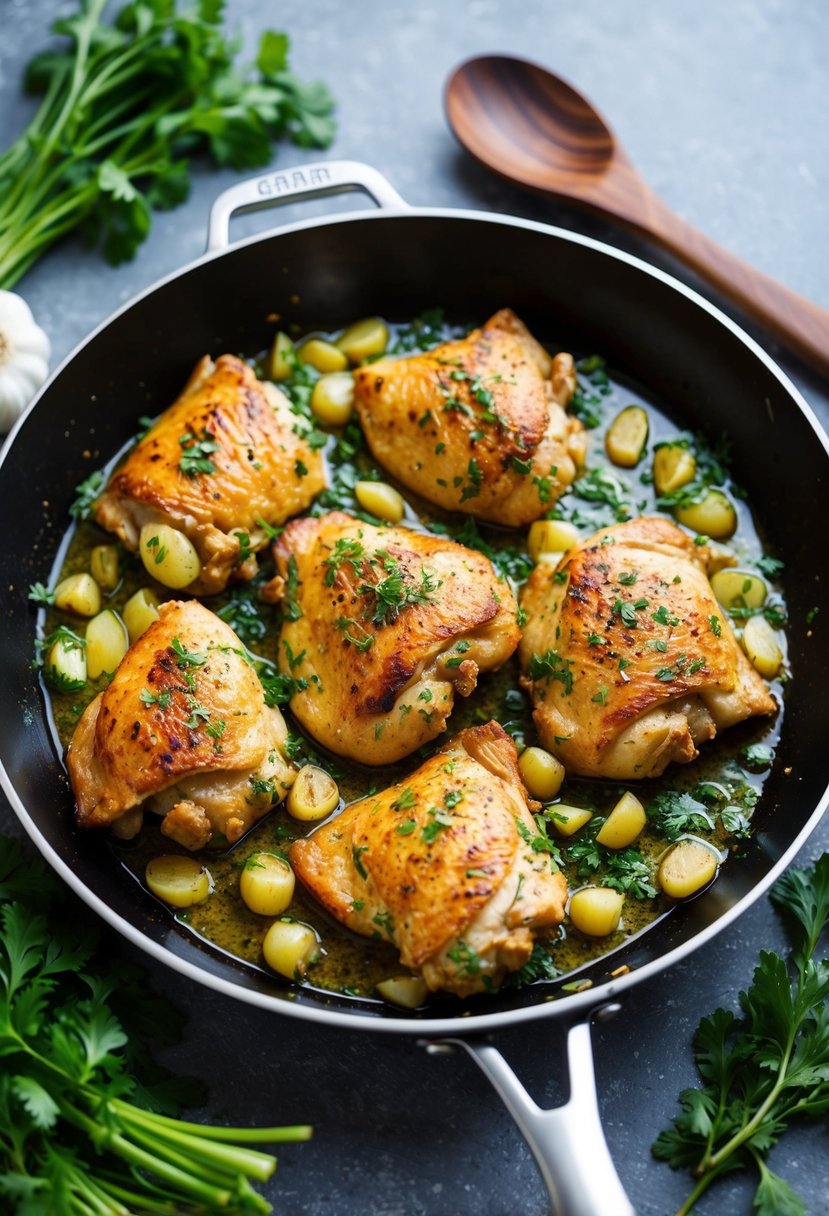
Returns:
point(567, 1142)
point(289, 185)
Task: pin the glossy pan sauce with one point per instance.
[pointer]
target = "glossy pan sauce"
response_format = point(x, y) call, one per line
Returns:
point(726, 780)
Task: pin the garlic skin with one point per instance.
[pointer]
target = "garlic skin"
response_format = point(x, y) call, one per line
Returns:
point(24, 358)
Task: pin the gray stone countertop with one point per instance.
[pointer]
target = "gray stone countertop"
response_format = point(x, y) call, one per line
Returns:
point(722, 107)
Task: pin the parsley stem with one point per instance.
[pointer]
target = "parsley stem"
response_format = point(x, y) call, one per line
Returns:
point(105, 1137)
point(83, 33)
point(125, 103)
point(748, 1130)
point(255, 1164)
point(138, 1203)
point(183, 1157)
point(700, 1188)
point(246, 1135)
point(88, 1196)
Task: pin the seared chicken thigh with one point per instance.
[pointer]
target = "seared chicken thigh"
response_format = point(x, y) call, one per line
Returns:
point(381, 627)
point(442, 865)
point(221, 465)
point(476, 425)
point(182, 730)
point(630, 660)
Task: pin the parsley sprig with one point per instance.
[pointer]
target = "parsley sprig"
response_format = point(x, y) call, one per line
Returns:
point(765, 1067)
point(125, 102)
point(78, 1131)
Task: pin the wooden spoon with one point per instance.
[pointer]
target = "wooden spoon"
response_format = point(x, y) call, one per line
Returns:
point(535, 129)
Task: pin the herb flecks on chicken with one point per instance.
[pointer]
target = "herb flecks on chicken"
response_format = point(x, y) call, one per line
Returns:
point(625, 654)
point(223, 465)
point(476, 425)
point(392, 624)
point(445, 865)
point(183, 730)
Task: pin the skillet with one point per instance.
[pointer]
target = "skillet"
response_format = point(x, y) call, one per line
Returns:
point(651, 329)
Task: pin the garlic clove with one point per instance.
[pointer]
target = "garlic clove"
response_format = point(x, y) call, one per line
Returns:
point(24, 357)
point(30, 366)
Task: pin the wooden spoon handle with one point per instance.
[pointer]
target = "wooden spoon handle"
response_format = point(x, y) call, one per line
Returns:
point(800, 324)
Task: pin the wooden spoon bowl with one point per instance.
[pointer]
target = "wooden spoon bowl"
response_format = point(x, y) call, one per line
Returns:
point(535, 129)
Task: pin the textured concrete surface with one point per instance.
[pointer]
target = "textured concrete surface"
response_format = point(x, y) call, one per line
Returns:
point(722, 107)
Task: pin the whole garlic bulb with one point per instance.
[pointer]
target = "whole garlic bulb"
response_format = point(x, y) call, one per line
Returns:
point(24, 358)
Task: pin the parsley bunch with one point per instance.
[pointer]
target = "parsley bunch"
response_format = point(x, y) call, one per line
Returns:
point(126, 103)
point(79, 1133)
point(767, 1067)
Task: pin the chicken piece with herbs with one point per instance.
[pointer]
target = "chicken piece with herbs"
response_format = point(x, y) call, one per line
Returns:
point(381, 628)
point(629, 658)
point(442, 865)
point(476, 425)
point(182, 730)
point(222, 465)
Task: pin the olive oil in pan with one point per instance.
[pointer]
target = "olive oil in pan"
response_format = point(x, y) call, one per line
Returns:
point(713, 798)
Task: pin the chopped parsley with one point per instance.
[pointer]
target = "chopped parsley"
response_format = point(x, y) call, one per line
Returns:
point(245, 549)
point(278, 687)
point(466, 959)
point(772, 567)
point(627, 611)
point(187, 658)
point(393, 592)
point(348, 549)
point(196, 453)
point(461, 649)
point(40, 594)
point(244, 613)
point(673, 812)
point(757, 757)
point(86, 493)
point(362, 642)
point(475, 475)
point(551, 666)
point(386, 922)
point(198, 713)
point(538, 841)
point(628, 871)
point(405, 800)
point(291, 610)
point(158, 550)
point(663, 617)
point(439, 820)
point(161, 699)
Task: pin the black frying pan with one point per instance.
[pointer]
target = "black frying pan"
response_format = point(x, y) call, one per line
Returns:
point(397, 263)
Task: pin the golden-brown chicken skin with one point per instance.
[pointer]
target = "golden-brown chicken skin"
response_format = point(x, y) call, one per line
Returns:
point(381, 628)
point(441, 864)
point(630, 660)
point(220, 462)
point(476, 425)
point(182, 730)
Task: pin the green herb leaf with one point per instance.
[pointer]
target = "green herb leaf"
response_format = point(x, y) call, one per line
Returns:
point(551, 666)
point(769, 1065)
point(80, 1100)
point(126, 101)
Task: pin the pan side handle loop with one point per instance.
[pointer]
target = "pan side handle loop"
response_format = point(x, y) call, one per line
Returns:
point(567, 1142)
point(289, 185)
